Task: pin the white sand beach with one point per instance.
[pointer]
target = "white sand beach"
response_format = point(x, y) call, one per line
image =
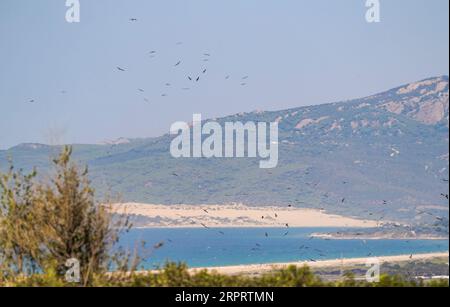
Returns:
point(264, 268)
point(235, 215)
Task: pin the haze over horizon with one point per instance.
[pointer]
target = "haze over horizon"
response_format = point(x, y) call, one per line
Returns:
point(295, 54)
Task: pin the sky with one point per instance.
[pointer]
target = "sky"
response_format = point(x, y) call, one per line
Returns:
point(294, 52)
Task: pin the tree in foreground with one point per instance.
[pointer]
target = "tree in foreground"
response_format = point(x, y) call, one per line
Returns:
point(45, 225)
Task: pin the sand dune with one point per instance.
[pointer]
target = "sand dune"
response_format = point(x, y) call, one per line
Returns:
point(153, 216)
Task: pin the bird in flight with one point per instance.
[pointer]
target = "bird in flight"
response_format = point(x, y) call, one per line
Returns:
point(204, 71)
point(178, 63)
point(141, 90)
point(158, 245)
point(31, 100)
point(120, 68)
point(198, 79)
point(444, 195)
point(133, 19)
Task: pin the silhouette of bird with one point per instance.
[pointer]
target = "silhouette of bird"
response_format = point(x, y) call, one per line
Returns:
point(133, 19)
point(120, 68)
point(206, 211)
point(141, 90)
point(178, 63)
point(204, 71)
point(198, 78)
point(158, 245)
point(444, 195)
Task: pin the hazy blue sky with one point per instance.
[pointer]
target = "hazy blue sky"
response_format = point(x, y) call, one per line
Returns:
point(295, 52)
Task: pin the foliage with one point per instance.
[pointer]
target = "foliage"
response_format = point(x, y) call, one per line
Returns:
point(42, 226)
point(178, 275)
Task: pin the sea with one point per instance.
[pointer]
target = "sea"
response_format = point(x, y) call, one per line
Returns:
point(211, 247)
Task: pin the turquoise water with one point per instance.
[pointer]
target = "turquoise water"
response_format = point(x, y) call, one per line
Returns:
point(235, 246)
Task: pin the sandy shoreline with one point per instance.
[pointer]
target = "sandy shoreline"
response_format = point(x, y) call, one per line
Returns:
point(234, 215)
point(264, 268)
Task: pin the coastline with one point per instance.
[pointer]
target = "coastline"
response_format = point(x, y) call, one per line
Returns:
point(233, 215)
point(253, 269)
point(387, 236)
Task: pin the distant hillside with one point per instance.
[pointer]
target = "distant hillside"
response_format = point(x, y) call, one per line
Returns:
point(383, 155)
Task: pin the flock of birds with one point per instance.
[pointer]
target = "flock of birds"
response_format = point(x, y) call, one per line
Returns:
point(304, 248)
point(194, 78)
